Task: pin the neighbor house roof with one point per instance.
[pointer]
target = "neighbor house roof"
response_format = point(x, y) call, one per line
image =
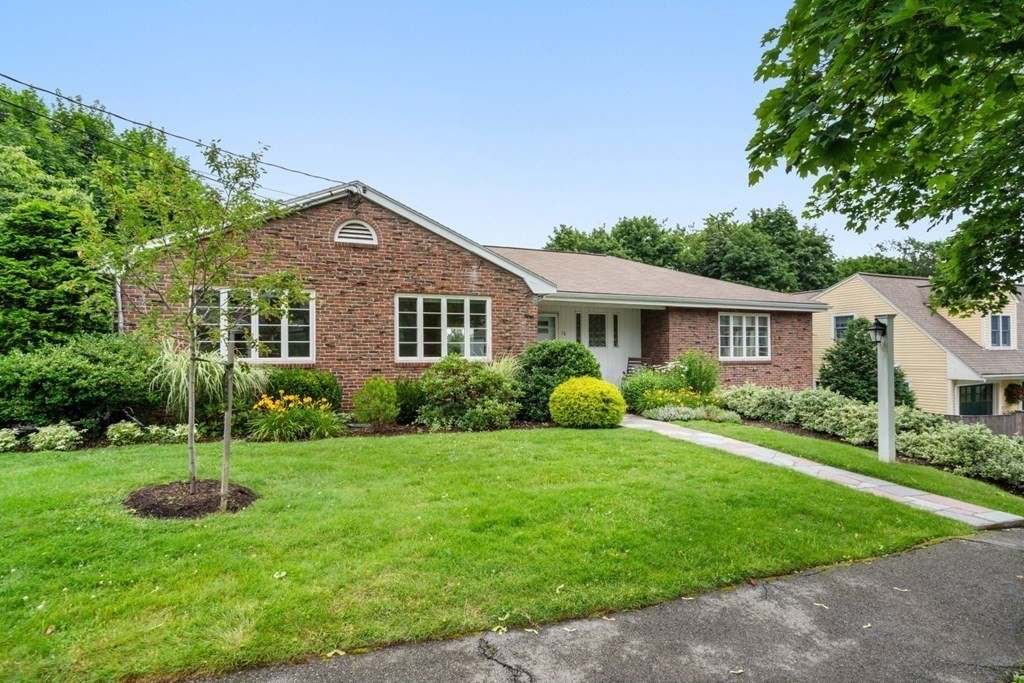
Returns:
point(910, 296)
point(595, 277)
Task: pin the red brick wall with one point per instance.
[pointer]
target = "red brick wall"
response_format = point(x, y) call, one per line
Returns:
point(356, 285)
point(665, 334)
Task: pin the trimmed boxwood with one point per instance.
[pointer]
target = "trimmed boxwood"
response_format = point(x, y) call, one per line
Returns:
point(88, 380)
point(547, 364)
point(587, 403)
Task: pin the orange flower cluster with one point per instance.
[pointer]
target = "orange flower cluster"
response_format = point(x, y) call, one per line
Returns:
point(285, 402)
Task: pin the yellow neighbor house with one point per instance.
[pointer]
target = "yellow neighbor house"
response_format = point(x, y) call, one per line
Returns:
point(956, 366)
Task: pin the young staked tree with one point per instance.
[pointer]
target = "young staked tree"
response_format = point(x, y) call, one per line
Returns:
point(178, 242)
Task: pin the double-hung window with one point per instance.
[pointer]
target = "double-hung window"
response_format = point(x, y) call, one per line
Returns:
point(281, 332)
point(839, 325)
point(743, 336)
point(431, 327)
point(1001, 331)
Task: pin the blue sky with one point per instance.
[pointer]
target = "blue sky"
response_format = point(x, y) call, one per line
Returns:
point(498, 120)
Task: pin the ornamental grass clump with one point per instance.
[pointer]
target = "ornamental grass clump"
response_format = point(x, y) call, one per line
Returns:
point(170, 378)
point(293, 418)
point(587, 403)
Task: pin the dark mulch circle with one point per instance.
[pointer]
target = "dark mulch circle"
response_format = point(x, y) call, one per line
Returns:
point(173, 501)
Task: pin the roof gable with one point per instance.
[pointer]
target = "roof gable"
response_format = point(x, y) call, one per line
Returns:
point(909, 296)
point(536, 283)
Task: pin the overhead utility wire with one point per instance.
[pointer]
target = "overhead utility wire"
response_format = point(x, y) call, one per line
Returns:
point(161, 130)
point(129, 149)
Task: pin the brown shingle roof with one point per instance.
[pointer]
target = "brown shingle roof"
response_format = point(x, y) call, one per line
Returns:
point(594, 274)
point(910, 296)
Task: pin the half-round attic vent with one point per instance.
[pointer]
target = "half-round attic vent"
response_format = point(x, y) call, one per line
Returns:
point(355, 232)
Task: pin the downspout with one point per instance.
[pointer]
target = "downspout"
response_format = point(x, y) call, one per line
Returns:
point(120, 305)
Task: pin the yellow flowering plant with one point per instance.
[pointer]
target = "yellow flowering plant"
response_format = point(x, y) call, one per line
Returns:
point(289, 417)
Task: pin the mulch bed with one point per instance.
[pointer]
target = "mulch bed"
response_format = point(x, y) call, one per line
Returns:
point(173, 501)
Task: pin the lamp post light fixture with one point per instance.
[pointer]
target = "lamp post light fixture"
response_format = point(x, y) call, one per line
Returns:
point(878, 330)
point(882, 334)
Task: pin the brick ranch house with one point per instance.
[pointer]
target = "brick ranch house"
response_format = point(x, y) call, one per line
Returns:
point(393, 291)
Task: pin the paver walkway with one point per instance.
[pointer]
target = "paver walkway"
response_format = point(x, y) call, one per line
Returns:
point(975, 515)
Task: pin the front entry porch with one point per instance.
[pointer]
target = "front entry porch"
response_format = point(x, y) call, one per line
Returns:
point(612, 333)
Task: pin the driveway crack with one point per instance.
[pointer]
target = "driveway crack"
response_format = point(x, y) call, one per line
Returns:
point(517, 674)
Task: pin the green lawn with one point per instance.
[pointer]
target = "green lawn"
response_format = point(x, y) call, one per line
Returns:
point(394, 539)
point(864, 461)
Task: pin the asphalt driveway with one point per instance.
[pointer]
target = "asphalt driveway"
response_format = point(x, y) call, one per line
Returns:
point(949, 612)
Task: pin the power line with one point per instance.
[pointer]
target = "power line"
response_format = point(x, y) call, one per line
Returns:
point(131, 150)
point(161, 130)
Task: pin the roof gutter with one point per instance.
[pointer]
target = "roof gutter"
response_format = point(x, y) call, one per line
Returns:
point(687, 302)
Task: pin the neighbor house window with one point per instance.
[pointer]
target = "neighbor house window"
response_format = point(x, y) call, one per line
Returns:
point(1000, 327)
point(744, 336)
point(615, 331)
point(839, 325)
point(432, 327)
point(976, 399)
point(284, 335)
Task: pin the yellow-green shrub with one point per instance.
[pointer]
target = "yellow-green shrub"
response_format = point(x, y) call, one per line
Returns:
point(586, 403)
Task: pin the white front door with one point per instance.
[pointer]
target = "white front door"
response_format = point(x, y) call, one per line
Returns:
point(599, 331)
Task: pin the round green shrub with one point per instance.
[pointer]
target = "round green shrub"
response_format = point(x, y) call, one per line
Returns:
point(376, 404)
point(547, 364)
point(635, 385)
point(587, 403)
point(699, 370)
point(410, 399)
point(90, 378)
point(467, 395)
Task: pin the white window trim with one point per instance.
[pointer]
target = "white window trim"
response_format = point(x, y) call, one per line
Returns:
point(444, 314)
point(1013, 333)
point(254, 331)
point(742, 359)
point(341, 240)
point(834, 316)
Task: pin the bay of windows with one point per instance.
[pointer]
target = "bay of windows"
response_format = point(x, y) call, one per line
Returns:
point(744, 336)
point(230, 316)
point(432, 327)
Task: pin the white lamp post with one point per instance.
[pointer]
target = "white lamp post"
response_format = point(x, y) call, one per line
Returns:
point(882, 334)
